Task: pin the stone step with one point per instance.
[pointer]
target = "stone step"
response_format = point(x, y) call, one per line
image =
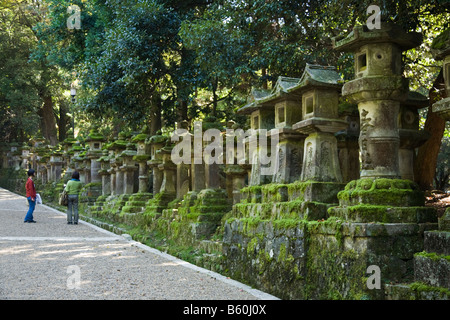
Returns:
point(309, 191)
point(385, 214)
point(432, 269)
point(283, 210)
point(437, 241)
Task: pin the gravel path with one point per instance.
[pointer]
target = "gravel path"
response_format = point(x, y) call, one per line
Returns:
point(55, 261)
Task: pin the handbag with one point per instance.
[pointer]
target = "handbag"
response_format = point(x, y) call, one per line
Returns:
point(38, 198)
point(63, 198)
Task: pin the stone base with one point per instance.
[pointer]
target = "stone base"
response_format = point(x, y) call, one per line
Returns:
point(415, 291)
point(438, 242)
point(108, 207)
point(387, 192)
point(432, 269)
point(155, 206)
point(325, 192)
point(203, 211)
point(383, 200)
point(278, 240)
point(132, 210)
point(385, 214)
point(326, 259)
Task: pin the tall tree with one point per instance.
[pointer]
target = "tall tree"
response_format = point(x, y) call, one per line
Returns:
point(28, 86)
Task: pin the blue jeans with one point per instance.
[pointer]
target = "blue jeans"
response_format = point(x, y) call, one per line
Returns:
point(32, 205)
point(72, 208)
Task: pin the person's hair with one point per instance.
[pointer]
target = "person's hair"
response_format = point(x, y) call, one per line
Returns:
point(30, 172)
point(76, 175)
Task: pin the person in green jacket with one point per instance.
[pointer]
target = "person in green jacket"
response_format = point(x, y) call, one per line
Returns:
point(73, 189)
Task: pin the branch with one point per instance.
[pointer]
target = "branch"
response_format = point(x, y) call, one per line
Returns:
point(220, 99)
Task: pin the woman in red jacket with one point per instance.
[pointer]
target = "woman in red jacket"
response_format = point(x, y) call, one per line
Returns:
point(31, 196)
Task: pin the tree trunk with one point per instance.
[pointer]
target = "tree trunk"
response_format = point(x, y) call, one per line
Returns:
point(425, 165)
point(214, 91)
point(155, 113)
point(62, 122)
point(182, 109)
point(48, 121)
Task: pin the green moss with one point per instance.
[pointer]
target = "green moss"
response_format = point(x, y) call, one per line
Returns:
point(141, 157)
point(422, 287)
point(139, 137)
point(92, 185)
point(394, 192)
point(283, 224)
point(433, 256)
point(251, 246)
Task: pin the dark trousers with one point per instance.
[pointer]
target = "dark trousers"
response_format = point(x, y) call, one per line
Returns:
point(72, 208)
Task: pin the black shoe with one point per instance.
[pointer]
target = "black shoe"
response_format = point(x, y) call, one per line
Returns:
point(69, 222)
point(30, 221)
point(75, 223)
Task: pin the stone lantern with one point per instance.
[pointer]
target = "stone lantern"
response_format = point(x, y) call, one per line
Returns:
point(15, 155)
point(287, 107)
point(169, 169)
point(262, 119)
point(156, 143)
point(25, 156)
point(212, 169)
point(79, 160)
point(236, 174)
point(95, 142)
point(378, 89)
point(319, 88)
point(43, 157)
point(117, 147)
point(411, 137)
point(380, 199)
point(104, 173)
point(43, 169)
point(67, 155)
point(75, 152)
point(141, 157)
point(56, 162)
point(197, 167)
point(183, 169)
point(348, 147)
point(129, 168)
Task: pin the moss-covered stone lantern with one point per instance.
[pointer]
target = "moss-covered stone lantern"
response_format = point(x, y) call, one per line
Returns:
point(287, 110)
point(319, 88)
point(262, 119)
point(141, 157)
point(156, 143)
point(378, 89)
point(95, 142)
point(129, 168)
